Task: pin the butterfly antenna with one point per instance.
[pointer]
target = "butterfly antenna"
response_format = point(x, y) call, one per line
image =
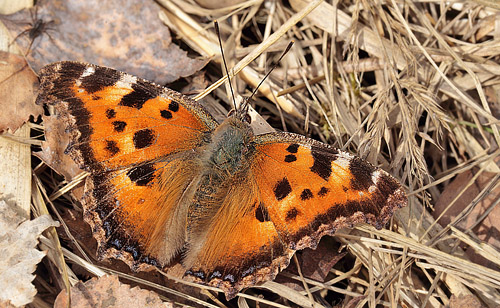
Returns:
point(216, 25)
point(287, 49)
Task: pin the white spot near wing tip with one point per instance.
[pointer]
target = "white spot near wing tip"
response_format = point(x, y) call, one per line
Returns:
point(89, 71)
point(375, 179)
point(375, 176)
point(126, 81)
point(343, 160)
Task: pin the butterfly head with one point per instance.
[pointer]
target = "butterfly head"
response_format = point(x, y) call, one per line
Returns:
point(241, 112)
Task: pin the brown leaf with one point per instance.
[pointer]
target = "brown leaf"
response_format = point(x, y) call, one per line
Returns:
point(486, 230)
point(18, 239)
point(464, 301)
point(18, 86)
point(6, 304)
point(314, 264)
point(125, 34)
point(108, 291)
point(353, 302)
point(52, 153)
point(195, 84)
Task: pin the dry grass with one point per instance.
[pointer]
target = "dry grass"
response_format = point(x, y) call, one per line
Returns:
point(406, 85)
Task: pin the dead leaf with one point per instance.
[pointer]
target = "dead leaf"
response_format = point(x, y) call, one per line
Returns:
point(195, 84)
point(18, 239)
point(314, 264)
point(110, 292)
point(6, 304)
point(464, 301)
point(353, 302)
point(126, 35)
point(18, 86)
point(52, 153)
point(487, 230)
point(12, 6)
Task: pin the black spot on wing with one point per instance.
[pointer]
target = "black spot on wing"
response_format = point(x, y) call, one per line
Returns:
point(261, 213)
point(306, 194)
point(166, 114)
point(291, 214)
point(142, 175)
point(119, 126)
point(143, 138)
point(323, 158)
point(102, 77)
point(361, 174)
point(173, 106)
point(142, 92)
point(110, 113)
point(290, 158)
point(282, 189)
point(323, 191)
point(292, 148)
point(112, 147)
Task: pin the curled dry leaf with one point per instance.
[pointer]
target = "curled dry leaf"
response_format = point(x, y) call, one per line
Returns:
point(112, 34)
point(18, 85)
point(314, 264)
point(52, 153)
point(486, 230)
point(110, 292)
point(18, 239)
point(464, 301)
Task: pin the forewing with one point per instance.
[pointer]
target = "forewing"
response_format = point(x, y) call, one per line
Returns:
point(117, 120)
point(310, 189)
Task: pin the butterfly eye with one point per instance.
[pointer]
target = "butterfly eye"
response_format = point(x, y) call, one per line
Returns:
point(247, 118)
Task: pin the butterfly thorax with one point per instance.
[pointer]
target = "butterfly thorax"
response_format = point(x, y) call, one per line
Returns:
point(229, 148)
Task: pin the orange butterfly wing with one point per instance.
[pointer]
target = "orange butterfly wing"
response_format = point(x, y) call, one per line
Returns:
point(117, 119)
point(133, 136)
point(296, 191)
point(315, 189)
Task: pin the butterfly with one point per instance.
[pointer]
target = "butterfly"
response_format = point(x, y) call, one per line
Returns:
point(167, 181)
